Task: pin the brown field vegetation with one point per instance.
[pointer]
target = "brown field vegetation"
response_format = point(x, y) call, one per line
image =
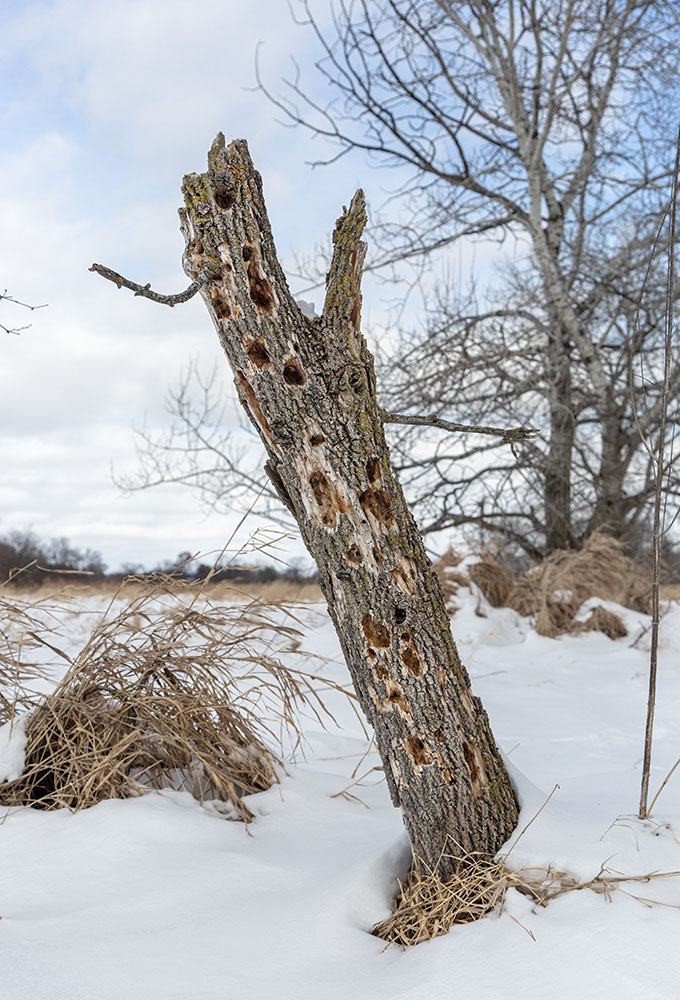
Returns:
point(78, 585)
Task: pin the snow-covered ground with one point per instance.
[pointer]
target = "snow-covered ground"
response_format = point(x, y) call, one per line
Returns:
point(159, 897)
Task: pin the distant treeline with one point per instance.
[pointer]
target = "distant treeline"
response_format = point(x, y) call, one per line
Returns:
point(29, 561)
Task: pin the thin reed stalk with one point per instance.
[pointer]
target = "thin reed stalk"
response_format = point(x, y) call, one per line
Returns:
point(659, 517)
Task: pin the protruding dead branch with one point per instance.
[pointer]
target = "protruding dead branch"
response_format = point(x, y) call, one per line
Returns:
point(146, 291)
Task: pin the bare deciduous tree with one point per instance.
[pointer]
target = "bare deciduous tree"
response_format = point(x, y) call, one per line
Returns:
point(545, 121)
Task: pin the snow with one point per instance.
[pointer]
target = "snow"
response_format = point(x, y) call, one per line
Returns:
point(160, 897)
point(12, 749)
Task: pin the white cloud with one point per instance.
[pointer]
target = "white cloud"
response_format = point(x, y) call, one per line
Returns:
point(105, 106)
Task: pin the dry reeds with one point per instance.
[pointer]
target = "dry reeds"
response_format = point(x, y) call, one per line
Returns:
point(554, 590)
point(27, 629)
point(427, 907)
point(274, 592)
point(170, 691)
point(568, 578)
point(494, 581)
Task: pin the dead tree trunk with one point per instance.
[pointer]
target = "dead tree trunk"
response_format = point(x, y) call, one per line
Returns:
point(309, 388)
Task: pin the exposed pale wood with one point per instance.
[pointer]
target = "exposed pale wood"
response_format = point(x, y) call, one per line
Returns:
point(309, 388)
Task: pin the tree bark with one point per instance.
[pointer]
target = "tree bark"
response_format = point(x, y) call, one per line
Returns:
point(308, 386)
point(557, 471)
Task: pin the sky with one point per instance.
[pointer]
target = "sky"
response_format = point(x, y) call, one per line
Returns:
point(105, 107)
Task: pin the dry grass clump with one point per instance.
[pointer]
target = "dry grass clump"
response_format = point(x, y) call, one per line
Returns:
point(427, 907)
point(170, 691)
point(554, 590)
point(601, 620)
point(445, 571)
point(494, 581)
point(568, 578)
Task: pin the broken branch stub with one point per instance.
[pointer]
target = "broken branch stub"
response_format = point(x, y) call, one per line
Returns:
point(308, 386)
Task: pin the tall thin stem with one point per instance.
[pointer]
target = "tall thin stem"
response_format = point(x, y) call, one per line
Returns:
point(658, 492)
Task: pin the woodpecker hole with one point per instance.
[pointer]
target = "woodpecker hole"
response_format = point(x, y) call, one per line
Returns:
point(417, 751)
point(258, 354)
point(220, 305)
point(376, 633)
point(377, 503)
point(224, 198)
point(373, 470)
point(293, 373)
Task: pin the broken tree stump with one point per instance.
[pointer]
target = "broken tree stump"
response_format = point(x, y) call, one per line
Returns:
point(308, 386)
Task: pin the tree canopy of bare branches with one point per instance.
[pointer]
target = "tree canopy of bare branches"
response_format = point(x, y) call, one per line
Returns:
point(545, 121)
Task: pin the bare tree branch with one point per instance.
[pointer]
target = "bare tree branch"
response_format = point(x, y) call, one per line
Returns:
point(509, 435)
point(16, 330)
point(145, 290)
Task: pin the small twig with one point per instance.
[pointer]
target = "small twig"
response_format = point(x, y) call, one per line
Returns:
point(512, 847)
point(509, 435)
point(16, 330)
point(663, 785)
point(145, 290)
